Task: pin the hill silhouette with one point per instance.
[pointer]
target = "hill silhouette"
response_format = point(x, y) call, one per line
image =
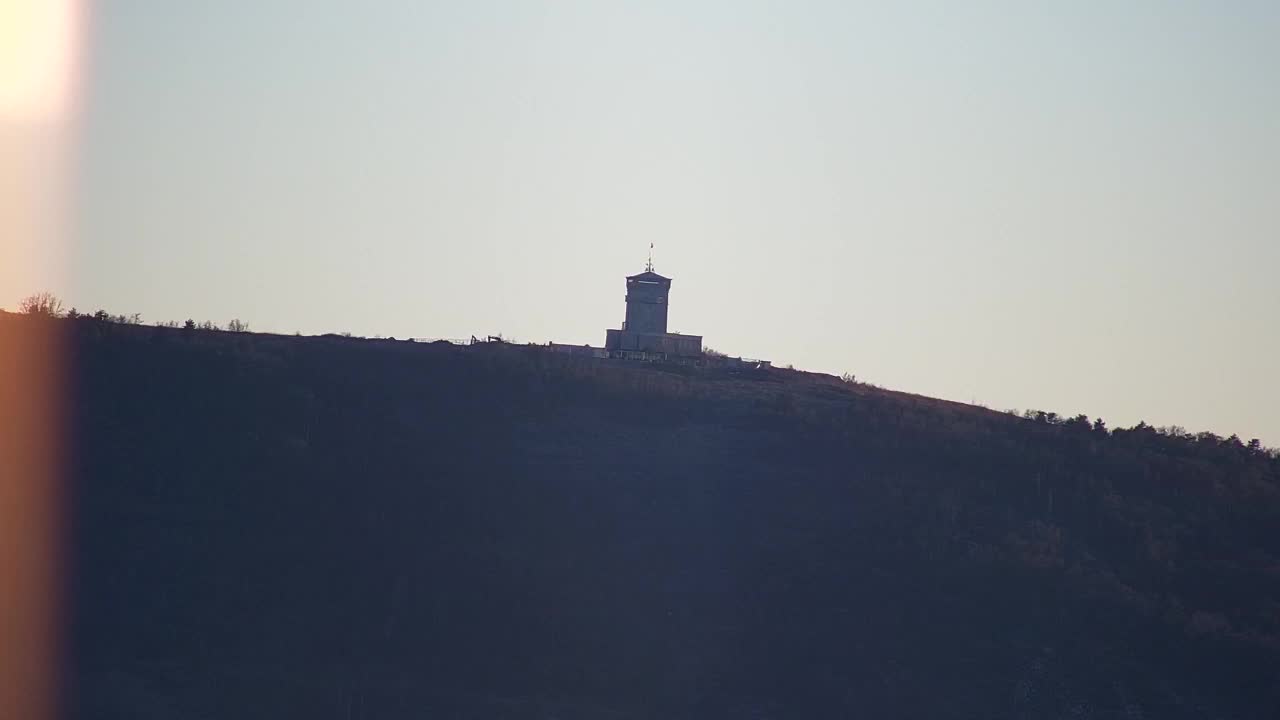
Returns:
point(325, 527)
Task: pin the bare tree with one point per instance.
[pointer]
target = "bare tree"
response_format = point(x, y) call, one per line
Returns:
point(42, 303)
point(237, 325)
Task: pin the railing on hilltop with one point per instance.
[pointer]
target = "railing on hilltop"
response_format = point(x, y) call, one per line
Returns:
point(702, 360)
point(473, 340)
point(451, 341)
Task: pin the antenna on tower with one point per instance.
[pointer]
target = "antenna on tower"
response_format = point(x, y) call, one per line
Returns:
point(649, 266)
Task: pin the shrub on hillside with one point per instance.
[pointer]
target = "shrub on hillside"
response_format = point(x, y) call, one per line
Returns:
point(41, 303)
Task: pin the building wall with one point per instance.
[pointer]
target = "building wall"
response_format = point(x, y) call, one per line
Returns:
point(670, 344)
point(647, 306)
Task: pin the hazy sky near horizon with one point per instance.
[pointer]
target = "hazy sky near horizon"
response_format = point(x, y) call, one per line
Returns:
point(1068, 206)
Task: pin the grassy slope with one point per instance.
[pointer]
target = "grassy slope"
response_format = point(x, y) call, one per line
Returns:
point(317, 527)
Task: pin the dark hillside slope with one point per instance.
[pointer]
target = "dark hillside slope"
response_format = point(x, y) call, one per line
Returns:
point(275, 527)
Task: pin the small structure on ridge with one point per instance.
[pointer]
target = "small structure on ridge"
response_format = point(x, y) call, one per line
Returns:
point(644, 331)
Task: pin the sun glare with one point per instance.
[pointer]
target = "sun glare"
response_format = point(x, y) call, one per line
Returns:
point(38, 42)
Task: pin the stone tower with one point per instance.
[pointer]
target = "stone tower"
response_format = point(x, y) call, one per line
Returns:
point(644, 333)
point(647, 302)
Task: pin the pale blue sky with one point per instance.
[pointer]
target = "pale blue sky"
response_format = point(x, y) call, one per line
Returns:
point(1070, 206)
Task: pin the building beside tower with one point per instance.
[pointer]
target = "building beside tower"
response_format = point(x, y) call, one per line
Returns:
point(644, 331)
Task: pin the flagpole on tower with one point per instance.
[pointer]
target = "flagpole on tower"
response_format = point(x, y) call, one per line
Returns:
point(649, 267)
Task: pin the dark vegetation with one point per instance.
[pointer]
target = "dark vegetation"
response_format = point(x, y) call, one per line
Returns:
point(303, 527)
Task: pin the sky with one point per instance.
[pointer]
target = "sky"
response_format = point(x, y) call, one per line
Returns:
point(1063, 206)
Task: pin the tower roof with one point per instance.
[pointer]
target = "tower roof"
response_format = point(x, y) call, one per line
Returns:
point(649, 276)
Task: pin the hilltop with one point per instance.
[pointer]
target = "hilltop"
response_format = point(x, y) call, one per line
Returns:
point(271, 526)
